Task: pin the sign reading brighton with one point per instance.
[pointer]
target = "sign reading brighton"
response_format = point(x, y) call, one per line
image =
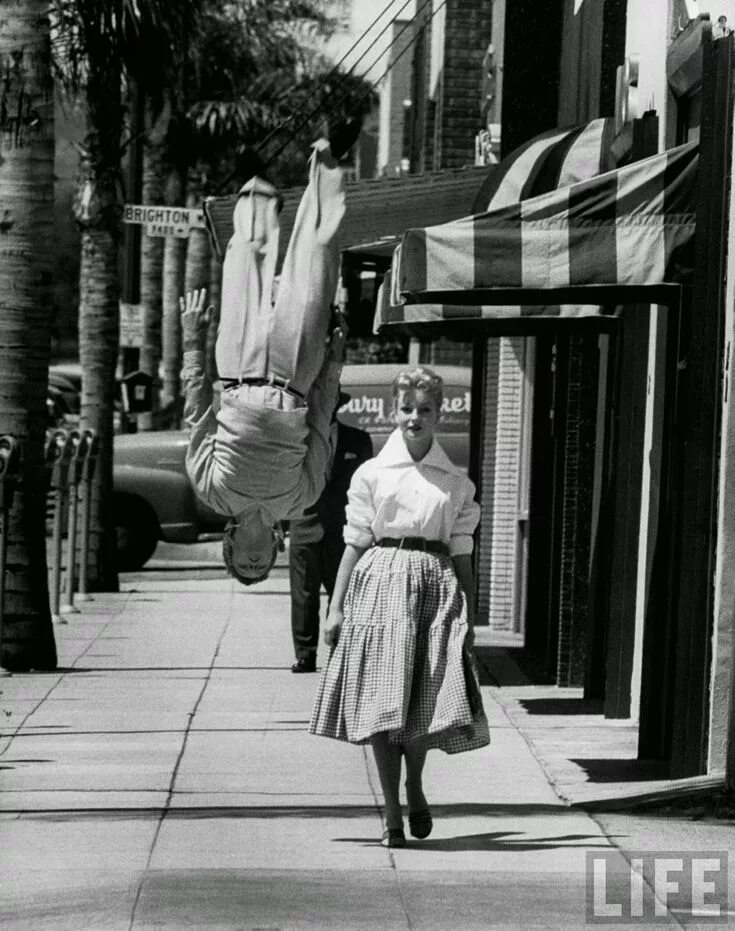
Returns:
point(164, 221)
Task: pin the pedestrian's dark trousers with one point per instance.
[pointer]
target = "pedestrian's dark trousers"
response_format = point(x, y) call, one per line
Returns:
point(311, 565)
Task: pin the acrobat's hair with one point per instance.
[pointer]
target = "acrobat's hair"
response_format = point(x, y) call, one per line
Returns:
point(227, 557)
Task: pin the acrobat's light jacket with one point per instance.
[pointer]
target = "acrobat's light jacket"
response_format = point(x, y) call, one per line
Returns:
point(250, 451)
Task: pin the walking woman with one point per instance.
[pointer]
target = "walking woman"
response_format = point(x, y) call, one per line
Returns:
point(400, 676)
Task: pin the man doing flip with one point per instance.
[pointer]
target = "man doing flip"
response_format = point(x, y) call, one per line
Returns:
point(262, 457)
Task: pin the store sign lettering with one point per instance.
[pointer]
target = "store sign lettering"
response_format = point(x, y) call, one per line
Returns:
point(370, 410)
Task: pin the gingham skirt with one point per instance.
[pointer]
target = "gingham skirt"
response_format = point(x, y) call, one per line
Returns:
point(398, 666)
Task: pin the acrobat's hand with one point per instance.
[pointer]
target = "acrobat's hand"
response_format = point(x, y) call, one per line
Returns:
point(195, 319)
point(338, 339)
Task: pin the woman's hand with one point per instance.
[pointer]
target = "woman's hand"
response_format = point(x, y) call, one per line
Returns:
point(194, 319)
point(332, 626)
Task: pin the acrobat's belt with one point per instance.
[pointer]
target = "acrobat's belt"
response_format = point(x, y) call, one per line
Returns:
point(274, 381)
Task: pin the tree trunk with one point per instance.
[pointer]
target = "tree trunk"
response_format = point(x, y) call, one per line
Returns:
point(197, 273)
point(174, 261)
point(97, 210)
point(26, 247)
point(151, 262)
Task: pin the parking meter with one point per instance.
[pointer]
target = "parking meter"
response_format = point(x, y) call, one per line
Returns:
point(89, 451)
point(60, 448)
point(74, 475)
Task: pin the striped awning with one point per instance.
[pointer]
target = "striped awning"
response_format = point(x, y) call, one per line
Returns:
point(594, 242)
point(554, 159)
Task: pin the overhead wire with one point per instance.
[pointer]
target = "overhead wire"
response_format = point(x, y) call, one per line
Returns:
point(321, 105)
point(259, 147)
point(395, 61)
point(339, 64)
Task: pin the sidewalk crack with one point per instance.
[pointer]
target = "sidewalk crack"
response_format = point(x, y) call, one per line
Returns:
point(628, 859)
point(174, 775)
point(61, 675)
point(391, 857)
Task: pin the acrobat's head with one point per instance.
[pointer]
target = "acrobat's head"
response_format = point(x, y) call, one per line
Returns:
point(250, 545)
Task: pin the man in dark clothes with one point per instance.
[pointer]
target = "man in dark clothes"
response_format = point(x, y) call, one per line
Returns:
point(316, 543)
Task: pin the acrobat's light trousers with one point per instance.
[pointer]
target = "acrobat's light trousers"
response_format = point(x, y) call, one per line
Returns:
point(258, 339)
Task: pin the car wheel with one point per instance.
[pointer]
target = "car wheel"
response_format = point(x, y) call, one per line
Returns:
point(136, 529)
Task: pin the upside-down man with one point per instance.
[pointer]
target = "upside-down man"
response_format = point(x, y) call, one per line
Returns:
point(262, 457)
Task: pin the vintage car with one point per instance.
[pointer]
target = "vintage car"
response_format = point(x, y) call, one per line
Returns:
point(153, 499)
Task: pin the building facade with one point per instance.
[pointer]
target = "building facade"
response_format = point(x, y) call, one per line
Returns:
point(605, 462)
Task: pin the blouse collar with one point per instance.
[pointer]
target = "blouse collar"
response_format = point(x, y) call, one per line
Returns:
point(395, 453)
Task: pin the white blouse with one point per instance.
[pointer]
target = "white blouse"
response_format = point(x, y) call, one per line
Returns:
point(393, 496)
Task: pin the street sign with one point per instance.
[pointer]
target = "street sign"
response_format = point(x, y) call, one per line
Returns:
point(131, 325)
point(164, 221)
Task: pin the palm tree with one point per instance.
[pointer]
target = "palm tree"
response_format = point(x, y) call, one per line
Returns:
point(151, 253)
point(174, 260)
point(26, 245)
point(98, 47)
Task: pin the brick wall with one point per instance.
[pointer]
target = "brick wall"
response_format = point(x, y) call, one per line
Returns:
point(484, 559)
point(499, 483)
point(467, 32)
point(446, 352)
point(503, 593)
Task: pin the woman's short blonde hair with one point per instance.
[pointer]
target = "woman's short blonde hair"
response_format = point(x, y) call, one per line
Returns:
point(420, 378)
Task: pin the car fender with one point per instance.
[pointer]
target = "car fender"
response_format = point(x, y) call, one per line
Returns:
point(169, 494)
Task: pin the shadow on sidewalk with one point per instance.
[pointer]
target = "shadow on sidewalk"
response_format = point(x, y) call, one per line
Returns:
point(59, 671)
point(304, 812)
point(494, 841)
point(508, 666)
point(562, 706)
point(628, 770)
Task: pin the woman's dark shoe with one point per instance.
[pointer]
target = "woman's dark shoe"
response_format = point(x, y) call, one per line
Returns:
point(305, 664)
point(393, 837)
point(420, 823)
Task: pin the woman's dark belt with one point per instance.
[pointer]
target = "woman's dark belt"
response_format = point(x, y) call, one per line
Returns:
point(415, 543)
point(273, 380)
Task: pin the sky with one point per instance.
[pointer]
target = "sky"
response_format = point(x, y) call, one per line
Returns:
point(364, 12)
point(717, 8)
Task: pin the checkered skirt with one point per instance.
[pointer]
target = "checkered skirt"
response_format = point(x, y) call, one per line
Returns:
point(399, 665)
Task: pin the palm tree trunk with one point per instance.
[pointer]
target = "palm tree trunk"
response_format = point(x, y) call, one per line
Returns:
point(174, 262)
point(26, 246)
point(197, 274)
point(151, 262)
point(97, 211)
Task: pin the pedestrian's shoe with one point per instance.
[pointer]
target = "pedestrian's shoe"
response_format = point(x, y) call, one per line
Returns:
point(305, 664)
point(420, 823)
point(393, 837)
point(344, 136)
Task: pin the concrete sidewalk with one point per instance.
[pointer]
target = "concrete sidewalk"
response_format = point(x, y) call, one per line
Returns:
point(163, 777)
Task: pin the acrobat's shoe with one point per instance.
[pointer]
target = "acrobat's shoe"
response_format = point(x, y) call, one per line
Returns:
point(344, 136)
